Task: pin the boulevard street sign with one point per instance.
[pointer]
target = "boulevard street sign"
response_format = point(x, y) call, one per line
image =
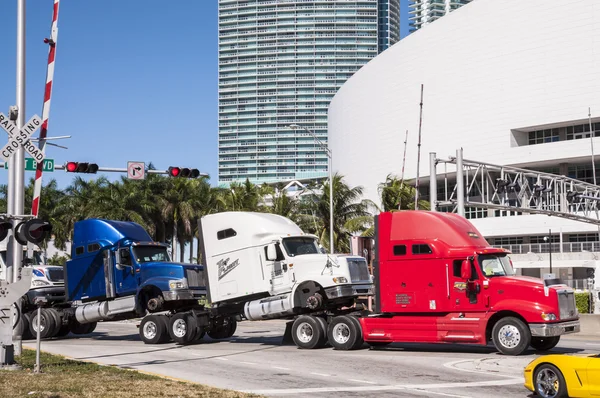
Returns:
point(20, 137)
point(136, 170)
point(31, 164)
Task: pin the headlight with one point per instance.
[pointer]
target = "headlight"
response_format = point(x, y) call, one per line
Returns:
point(548, 317)
point(340, 279)
point(178, 284)
point(38, 283)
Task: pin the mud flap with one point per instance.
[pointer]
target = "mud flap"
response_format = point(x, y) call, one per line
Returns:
point(287, 335)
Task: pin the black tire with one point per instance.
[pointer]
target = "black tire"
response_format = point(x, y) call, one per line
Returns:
point(544, 343)
point(26, 335)
point(308, 333)
point(323, 323)
point(153, 329)
point(91, 327)
point(511, 336)
point(57, 321)
point(343, 333)
point(224, 330)
point(199, 335)
point(182, 328)
point(47, 324)
point(63, 331)
point(82, 328)
point(360, 341)
point(548, 381)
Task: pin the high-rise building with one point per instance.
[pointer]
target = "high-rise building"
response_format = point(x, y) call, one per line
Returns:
point(280, 63)
point(423, 12)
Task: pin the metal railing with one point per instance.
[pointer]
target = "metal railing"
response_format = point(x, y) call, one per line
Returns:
point(569, 247)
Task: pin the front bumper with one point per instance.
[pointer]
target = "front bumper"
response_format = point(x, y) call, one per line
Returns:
point(349, 291)
point(184, 294)
point(554, 329)
point(50, 293)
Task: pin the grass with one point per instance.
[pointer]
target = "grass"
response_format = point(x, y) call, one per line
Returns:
point(65, 378)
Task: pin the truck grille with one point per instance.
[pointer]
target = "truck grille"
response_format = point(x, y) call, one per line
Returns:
point(55, 274)
point(358, 270)
point(195, 277)
point(566, 304)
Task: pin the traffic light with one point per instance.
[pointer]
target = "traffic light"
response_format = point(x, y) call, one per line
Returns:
point(34, 231)
point(183, 172)
point(4, 227)
point(81, 167)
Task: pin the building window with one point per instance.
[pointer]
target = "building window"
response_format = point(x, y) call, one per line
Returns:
point(507, 240)
point(582, 131)
point(543, 136)
point(540, 239)
point(583, 238)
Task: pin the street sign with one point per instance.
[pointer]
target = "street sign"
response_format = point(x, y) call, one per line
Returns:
point(31, 164)
point(136, 170)
point(20, 137)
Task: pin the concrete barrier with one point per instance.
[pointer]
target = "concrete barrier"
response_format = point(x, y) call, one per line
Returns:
point(590, 324)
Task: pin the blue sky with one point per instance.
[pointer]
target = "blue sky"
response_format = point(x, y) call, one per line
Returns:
point(134, 80)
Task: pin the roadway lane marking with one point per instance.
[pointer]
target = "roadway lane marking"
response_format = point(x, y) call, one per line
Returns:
point(320, 374)
point(279, 367)
point(594, 344)
point(362, 381)
point(450, 365)
point(248, 363)
point(221, 359)
point(398, 387)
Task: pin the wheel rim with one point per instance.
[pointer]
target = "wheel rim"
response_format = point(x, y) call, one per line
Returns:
point(35, 323)
point(179, 328)
point(509, 336)
point(341, 333)
point(305, 332)
point(547, 383)
point(150, 330)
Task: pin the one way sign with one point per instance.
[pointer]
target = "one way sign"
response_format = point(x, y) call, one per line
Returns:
point(136, 170)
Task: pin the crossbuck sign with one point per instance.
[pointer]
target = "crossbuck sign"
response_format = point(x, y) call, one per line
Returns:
point(20, 138)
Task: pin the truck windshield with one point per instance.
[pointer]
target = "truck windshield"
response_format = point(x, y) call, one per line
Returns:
point(495, 265)
point(144, 254)
point(300, 245)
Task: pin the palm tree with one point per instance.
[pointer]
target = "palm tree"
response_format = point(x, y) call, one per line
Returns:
point(351, 213)
point(397, 195)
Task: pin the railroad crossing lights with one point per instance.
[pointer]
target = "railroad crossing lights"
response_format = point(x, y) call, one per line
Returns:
point(136, 170)
point(20, 137)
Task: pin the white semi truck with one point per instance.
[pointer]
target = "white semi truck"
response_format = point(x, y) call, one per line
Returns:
point(262, 266)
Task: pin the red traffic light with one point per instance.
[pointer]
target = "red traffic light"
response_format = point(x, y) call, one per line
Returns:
point(183, 172)
point(81, 167)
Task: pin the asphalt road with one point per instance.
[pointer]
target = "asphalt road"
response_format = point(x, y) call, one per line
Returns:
point(254, 360)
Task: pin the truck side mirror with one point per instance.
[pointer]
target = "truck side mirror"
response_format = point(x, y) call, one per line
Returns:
point(271, 252)
point(465, 270)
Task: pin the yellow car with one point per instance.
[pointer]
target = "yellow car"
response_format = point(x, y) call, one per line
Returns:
point(555, 376)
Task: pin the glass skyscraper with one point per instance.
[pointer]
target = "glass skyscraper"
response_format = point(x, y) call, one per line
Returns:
point(423, 12)
point(280, 63)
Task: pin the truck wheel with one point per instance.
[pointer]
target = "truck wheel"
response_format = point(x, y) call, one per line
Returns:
point(548, 381)
point(57, 321)
point(344, 333)
point(26, 319)
point(82, 328)
point(47, 324)
point(182, 328)
point(544, 343)
point(511, 336)
point(90, 327)
point(308, 333)
point(153, 329)
point(360, 341)
point(224, 331)
point(63, 331)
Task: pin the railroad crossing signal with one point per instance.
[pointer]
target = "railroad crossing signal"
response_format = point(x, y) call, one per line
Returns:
point(136, 170)
point(20, 137)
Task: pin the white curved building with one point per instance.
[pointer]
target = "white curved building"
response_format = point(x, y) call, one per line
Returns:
point(508, 81)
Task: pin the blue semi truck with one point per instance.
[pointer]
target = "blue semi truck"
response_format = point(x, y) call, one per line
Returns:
point(118, 272)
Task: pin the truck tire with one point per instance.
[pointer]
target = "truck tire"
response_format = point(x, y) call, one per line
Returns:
point(308, 332)
point(82, 328)
point(360, 341)
point(224, 331)
point(57, 321)
point(344, 333)
point(26, 335)
point(47, 324)
point(511, 336)
point(182, 328)
point(544, 343)
point(153, 329)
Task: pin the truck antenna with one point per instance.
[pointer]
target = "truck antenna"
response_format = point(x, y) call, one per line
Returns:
point(419, 151)
point(402, 176)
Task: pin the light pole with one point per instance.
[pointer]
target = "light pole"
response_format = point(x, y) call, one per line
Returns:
point(329, 166)
point(549, 240)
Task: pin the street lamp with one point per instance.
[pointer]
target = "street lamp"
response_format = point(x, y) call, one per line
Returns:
point(328, 152)
point(549, 240)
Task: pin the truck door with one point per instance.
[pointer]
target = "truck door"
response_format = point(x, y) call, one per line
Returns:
point(280, 279)
point(465, 295)
point(125, 280)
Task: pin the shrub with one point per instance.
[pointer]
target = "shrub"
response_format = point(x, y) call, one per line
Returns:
point(582, 301)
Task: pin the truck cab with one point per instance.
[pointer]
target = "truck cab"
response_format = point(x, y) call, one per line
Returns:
point(268, 265)
point(117, 271)
point(438, 280)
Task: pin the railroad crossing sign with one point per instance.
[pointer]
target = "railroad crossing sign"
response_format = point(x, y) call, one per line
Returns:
point(20, 138)
point(136, 170)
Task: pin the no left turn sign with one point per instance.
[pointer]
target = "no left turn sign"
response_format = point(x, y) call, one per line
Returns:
point(136, 170)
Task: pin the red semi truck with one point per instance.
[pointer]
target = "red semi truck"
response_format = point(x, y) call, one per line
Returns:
point(437, 280)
